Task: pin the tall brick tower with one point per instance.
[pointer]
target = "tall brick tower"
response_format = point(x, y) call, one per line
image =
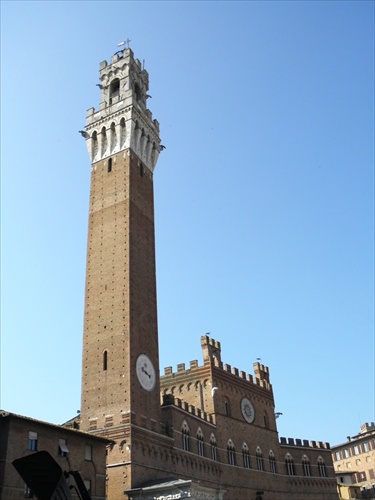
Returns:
point(120, 365)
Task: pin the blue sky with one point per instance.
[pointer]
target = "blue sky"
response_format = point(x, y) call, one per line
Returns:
point(264, 196)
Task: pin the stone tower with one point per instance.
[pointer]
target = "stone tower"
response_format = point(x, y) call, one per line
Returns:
point(120, 365)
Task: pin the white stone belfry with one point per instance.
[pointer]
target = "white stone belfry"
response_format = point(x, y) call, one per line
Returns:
point(123, 120)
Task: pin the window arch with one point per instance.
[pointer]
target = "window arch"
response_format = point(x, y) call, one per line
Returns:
point(246, 456)
point(231, 453)
point(259, 457)
point(200, 442)
point(213, 445)
point(322, 469)
point(105, 360)
point(185, 436)
point(290, 470)
point(272, 462)
point(306, 467)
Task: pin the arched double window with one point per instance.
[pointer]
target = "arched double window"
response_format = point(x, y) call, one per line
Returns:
point(185, 436)
point(246, 456)
point(259, 457)
point(306, 467)
point(272, 462)
point(290, 470)
point(231, 453)
point(322, 467)
point(213, 446)
point(200, 442)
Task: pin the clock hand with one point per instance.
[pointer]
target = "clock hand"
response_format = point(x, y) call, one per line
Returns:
point(145, 372)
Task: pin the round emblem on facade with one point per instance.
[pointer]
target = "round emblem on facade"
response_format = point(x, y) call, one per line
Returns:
point(145, 372)
point(247, 410)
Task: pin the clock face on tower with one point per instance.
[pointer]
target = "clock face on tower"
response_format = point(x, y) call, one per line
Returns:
point(145, 372)
point(247, 410)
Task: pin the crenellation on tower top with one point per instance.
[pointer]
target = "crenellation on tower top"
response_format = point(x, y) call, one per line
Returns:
point(211, 350)
point(261, 372)
point(123, 120)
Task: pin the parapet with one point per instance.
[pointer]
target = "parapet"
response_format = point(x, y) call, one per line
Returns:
point(367, 427)
point(304, 443)
point(169, 400)
point(211, 350)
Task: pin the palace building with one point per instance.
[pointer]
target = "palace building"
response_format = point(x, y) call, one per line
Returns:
point(206, 431)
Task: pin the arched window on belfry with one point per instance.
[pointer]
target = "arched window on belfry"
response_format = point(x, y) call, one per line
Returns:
point(306, 467)
point(213, 445)
point(114, 91)
point(231, 453)
point(137, 90)
point(322, 467)
point(185, 436)
point(200, 442)
point(246, 456)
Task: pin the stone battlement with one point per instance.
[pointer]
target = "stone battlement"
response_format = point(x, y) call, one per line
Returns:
point(169, 399)
point(367, 427)
point(304, 443)
point(212, 356)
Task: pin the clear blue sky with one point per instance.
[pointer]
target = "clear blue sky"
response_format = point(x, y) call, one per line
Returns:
point(264, 196)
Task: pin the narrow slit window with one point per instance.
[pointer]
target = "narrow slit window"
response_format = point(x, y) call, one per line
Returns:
point(105, 360)
point(226, 408)
point(109, 165)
